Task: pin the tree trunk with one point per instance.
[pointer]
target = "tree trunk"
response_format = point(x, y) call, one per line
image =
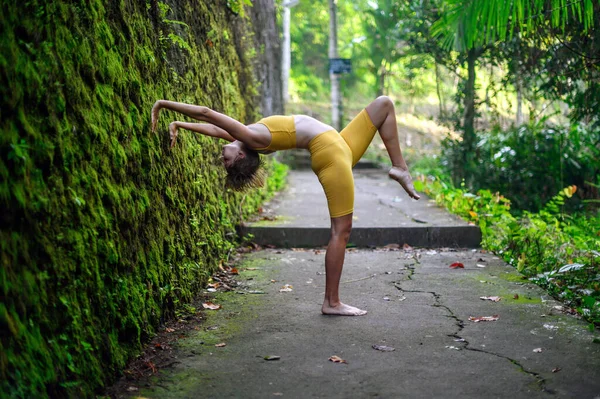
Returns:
point(267, 64)
point(519, 102)
point(381, 80)
point(438, 89)
point(335, 79)
point(469, 137)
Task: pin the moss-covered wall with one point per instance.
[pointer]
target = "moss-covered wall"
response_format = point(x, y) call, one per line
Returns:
point(104, 229)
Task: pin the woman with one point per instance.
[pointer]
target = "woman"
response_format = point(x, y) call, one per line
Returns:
point(333, 155)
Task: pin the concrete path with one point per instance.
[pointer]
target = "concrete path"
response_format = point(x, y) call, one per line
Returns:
point(417, 305)
point(383, 214)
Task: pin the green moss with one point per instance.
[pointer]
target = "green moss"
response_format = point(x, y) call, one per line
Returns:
point(513, 277)
point(104, 229)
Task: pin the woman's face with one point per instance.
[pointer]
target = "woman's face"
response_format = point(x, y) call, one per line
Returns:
point(231, 152)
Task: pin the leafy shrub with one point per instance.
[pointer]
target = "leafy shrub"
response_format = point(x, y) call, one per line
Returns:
point(531, 163)
point(556, 250)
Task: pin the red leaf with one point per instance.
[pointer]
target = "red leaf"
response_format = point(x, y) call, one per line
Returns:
point(457, 265)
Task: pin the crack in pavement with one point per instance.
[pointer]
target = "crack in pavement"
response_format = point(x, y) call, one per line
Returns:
point(460, 324)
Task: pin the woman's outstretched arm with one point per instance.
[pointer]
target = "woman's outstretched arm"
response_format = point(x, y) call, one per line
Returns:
point(203, 128)
point(236, 129)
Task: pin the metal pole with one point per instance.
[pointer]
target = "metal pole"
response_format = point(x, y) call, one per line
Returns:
point(286, 59)
point(334, 78)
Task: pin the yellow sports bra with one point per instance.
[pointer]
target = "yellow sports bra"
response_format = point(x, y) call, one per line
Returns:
point(283, 132)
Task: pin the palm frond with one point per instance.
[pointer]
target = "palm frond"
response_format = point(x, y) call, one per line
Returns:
point(473, 23)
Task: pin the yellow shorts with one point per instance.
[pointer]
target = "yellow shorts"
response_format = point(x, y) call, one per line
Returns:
point(334, 154)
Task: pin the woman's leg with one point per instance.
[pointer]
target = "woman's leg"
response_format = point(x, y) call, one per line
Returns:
point(334, 262)
point(382, 114)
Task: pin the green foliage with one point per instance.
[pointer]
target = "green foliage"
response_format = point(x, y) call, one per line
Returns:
point(104, 229)
point(556, 250)
point(471, 23)
point(530, 163)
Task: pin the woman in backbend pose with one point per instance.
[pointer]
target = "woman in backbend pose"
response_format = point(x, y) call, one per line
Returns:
point(333, 155)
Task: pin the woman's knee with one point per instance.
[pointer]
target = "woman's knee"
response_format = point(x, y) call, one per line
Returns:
point(385, 102)
point(342, 228)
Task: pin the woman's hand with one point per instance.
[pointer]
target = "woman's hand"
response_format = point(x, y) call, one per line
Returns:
point(173, 131)
point(155, 112)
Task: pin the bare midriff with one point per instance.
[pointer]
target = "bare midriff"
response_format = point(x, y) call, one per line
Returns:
point(307, 128)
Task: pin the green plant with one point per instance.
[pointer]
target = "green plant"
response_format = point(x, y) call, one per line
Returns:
point(556, 250)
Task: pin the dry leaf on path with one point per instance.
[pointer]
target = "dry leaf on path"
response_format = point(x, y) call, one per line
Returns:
point(234, 271)
point(211, 306)
point(337, 359)
point(483, 318)
point(491, 298)
point(286, 288)
point(169, 330)
point(457, 265)
point(214, 285)
point(272, 357)
point(383, 348)
point(516, 296)
point(222, 344)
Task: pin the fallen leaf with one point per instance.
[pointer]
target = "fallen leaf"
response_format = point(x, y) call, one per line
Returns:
point(214, 285)
point(516, 296)
point(457, 265)
point(538, 350)
point(211, 306)
point(407, 247)
point(491, 298)
point(169, 330)
point(483, 318)
point(272, 357)
point(251, 268)
point(556, 369)
point(286, 288)
point(234, 271)
point(383, 348)
point(151, 366)
point(273, 281)
point(337, 359)
point(222, 344)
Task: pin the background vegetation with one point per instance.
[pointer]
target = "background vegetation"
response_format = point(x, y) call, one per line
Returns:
point(104, 230)
point(497, 98)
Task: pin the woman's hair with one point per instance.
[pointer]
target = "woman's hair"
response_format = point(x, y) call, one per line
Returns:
point(245, 173)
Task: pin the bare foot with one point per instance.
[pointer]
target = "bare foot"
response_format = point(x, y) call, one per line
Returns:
point(403, 177)
point(342, 310)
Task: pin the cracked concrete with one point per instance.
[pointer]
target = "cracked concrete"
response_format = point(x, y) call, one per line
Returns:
point(416, 304)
